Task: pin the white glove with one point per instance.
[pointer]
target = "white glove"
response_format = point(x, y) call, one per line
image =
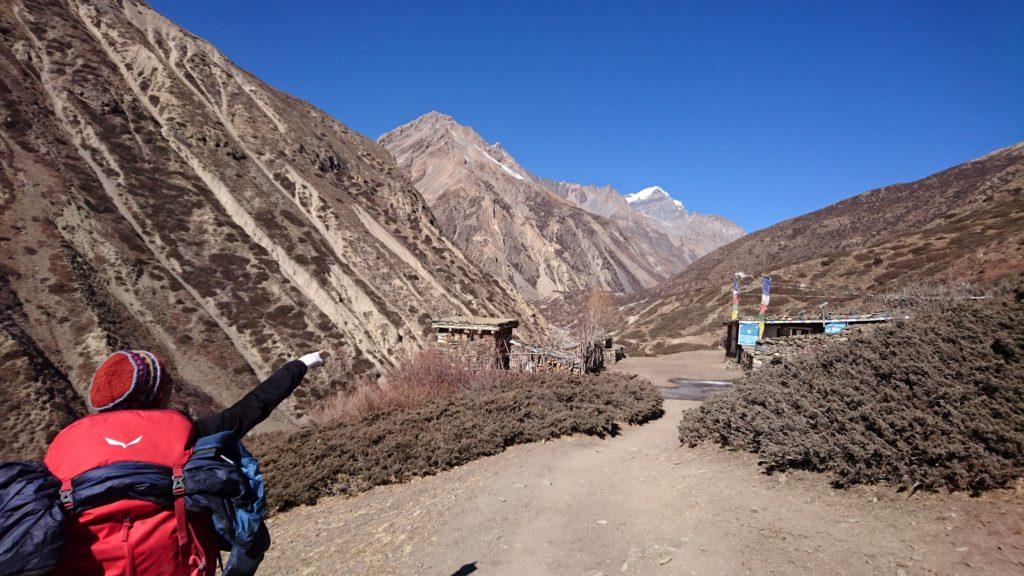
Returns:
point(313, 359)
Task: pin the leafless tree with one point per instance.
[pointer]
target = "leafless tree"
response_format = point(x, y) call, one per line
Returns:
point(601, 315)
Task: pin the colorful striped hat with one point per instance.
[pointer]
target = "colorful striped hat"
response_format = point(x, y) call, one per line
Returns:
point(129, 379)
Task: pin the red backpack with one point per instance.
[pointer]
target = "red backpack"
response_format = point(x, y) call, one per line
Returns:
point(131, 537)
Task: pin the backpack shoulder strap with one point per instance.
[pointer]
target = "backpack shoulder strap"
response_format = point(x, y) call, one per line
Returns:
point(178, 490)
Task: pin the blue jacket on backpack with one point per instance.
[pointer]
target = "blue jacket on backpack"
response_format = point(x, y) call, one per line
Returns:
point(223, 478)
point(31, 519)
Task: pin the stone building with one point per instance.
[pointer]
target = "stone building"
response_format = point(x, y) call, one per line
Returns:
point(463, 333)
point(740, 334)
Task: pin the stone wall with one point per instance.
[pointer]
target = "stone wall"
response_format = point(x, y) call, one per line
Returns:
point(779, 350)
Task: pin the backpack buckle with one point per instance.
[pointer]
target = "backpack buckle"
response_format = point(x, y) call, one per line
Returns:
point(178, 485)
point(66, 499)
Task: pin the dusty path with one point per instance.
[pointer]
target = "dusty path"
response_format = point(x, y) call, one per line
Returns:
point(641, 504)
point(696, 365)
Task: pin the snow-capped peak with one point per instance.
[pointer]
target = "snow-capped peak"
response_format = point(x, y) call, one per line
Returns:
point(652, 192)
point(646, 194)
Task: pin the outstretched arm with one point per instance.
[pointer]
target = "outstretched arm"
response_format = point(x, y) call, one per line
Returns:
point(255, 406)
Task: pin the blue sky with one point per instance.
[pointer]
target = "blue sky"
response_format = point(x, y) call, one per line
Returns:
point(757, 111)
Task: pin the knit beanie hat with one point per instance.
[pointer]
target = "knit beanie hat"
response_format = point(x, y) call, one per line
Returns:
point(129, 379)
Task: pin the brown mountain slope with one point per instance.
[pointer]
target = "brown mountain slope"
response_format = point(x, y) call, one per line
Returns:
point(152, 194)
point(513, 226)
point(964, 223)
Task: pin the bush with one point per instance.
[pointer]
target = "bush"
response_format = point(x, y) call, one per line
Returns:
point(937, 401)
point(422, 376)
point(388, 446)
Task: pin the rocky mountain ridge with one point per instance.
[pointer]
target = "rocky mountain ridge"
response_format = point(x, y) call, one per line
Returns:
point(544, 237)
point(703, 232)
point(508, 223)
point(606, 201)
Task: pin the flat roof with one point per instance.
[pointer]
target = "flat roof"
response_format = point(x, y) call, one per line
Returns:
point(847, 319)
point(474, 323)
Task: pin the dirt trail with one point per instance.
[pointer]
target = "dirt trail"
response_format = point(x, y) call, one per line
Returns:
point(641, 504)
point(696, 365)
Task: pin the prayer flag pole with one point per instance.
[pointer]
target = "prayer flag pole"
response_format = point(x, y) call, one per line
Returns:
point(766, 289)
point(736, 295)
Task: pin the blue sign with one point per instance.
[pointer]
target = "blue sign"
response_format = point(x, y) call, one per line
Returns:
point(834, 327)
point(748, 333)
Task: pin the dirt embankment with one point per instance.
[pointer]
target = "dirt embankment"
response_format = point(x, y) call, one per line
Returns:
point(936, 401)
point(350, 456)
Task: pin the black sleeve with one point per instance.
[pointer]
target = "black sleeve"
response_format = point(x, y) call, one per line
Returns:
point(255, 406)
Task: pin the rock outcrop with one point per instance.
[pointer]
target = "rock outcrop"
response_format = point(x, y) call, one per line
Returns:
point(155, 195)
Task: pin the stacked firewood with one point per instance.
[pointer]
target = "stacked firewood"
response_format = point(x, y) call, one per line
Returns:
point(527, 358)
point(540, 362)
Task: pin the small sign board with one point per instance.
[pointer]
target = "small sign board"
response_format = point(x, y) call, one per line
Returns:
point(748, 333)
point(834, 327)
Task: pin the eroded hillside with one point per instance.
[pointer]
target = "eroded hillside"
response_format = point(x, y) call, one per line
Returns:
point(154, 195)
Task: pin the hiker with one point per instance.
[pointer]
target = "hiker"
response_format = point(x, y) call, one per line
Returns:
point(147, 533)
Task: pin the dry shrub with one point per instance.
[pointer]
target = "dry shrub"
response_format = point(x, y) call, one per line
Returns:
point(389, 446)
point(364, 398)
point(941, 297)
point(937, 401)
point(419, 377)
